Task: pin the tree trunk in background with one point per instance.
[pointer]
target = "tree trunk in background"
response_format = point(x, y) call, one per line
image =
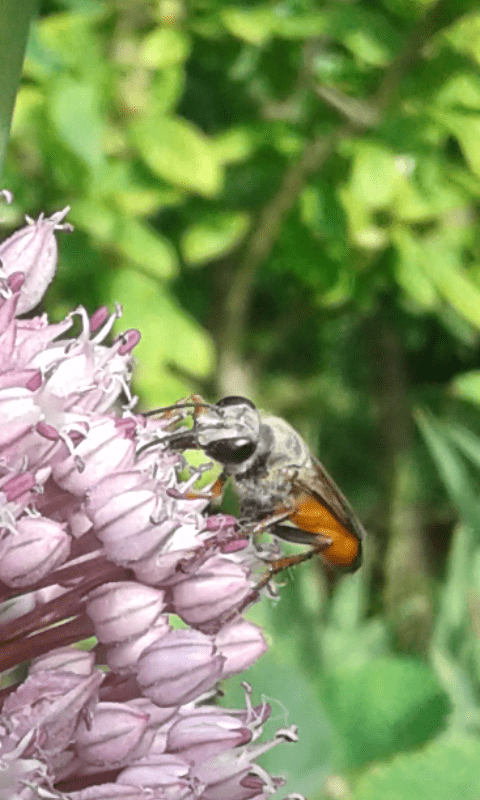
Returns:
point(406, 593)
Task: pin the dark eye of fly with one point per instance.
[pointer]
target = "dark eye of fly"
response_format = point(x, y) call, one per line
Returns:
point(231, 451)
point(233, 400)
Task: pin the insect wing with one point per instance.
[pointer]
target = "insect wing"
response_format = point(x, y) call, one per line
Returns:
point(317, 483)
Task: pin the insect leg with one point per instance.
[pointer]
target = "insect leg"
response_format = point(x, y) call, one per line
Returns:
point(214, 493)
point(280, 564)
point(253, 529)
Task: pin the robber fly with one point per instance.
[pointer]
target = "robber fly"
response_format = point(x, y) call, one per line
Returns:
point(282, 487)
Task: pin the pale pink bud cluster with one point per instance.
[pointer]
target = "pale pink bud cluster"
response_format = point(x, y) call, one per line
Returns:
point(100, 542)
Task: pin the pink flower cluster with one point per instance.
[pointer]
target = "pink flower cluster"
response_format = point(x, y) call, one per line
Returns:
point(98, 539)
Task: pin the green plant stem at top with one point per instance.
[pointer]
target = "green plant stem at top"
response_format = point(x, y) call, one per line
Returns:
point(15, 17)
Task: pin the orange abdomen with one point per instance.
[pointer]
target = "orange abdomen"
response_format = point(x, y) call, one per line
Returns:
point(312, 517)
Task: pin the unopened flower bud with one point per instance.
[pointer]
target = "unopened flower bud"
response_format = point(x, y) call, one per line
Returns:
point(111, 735)
point(50, 704)
point(37, 547)
point(108, 791)
point(218, 586)
point(233, 774)
point(33, 251)
point(19, 412)
point(163, 773)
point(104, 450)
point(162, 567)
point(126, 522)
point(198, 737)
point(241, 643)
point(179, 667)
point(66, 659)
point(123, 609)
point(154, 741)
point(123, 657)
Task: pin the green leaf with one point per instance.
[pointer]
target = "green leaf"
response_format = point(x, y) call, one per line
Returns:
point(75, 112)
point(447, 769)
point(363, 232)
point(301, 26)
point(451, 468)
point(409, 271)
point(427, 192)
point(442, 265)
point(384, 706)
point(467, 386)
point(167, 88)
point(211, 238)
point(466, 441)
point(255, 26)
point(461, 90)
point(453, 626)
point(375, 176)
point(70, 37)
point(29, 105)
point(234, 144)
point(179, 152)
point(464, 34)
point(164, 47)
point(135, 240)
point(369, 35)
point(466, 128)
point(169, 335)
point(143, 246)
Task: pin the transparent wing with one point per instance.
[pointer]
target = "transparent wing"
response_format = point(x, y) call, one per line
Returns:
point(317, 482)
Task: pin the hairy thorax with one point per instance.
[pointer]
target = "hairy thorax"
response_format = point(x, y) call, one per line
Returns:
point(267, 483)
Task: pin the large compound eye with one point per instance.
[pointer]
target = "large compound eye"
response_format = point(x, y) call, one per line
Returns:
point(233, 400)
point(231, 451)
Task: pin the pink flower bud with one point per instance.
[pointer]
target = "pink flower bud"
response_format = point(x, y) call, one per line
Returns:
point(241, 643)
point(124, 657)
point(199, 737)
point(37, 547)
point(164, 772)
point(19, 412)
point(233, 774)
point(154, 741)
point(100, 495)
point(111, 735)
point(104, 450)
point(179, 667)
point(33, 251)
point(158, 716)
point(142, 535)
point(66, 659)
point(109, 791)
point(124, 609)
point(162, 567)
point(217, 587)
point(50, 704)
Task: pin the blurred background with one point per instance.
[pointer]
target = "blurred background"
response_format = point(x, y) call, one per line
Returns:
point(284, 196)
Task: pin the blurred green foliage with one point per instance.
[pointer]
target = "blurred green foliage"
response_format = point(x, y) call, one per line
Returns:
point(284, 196)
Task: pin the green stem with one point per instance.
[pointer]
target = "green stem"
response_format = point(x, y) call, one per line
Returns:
point(15, 17)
